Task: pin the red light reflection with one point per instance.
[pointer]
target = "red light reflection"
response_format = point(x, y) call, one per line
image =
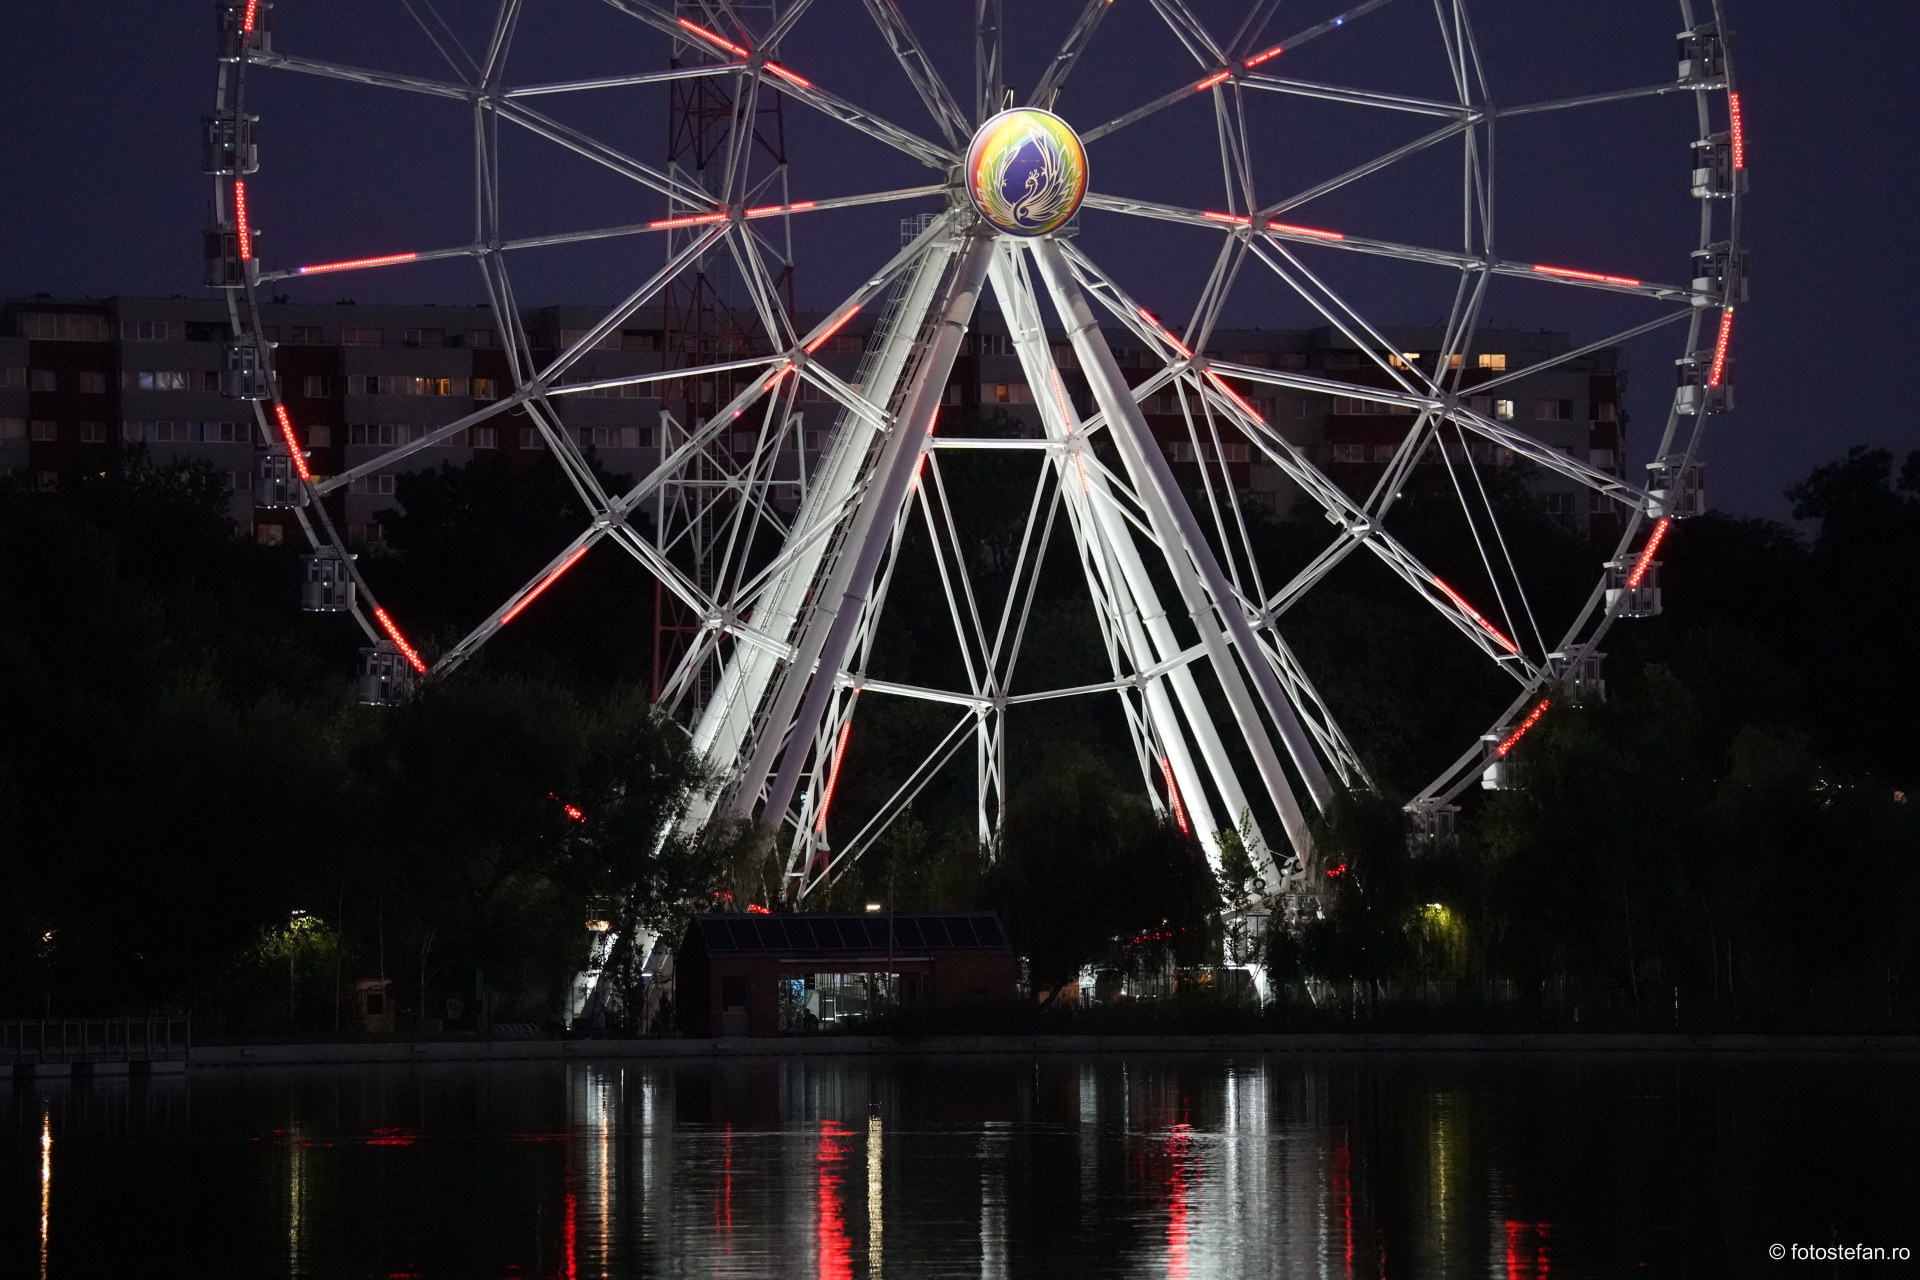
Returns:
point(835, 1255)
point(1528, 1257)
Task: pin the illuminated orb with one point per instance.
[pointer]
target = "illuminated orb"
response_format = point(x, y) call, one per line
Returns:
point(1026, 171)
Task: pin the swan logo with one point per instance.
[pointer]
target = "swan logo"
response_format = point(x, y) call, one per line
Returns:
point(1026, 172)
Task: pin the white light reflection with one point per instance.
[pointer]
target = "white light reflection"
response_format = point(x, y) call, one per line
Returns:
point(993, 1201)
point(296, 1194)
point(876, 1227)
point(46, 1180)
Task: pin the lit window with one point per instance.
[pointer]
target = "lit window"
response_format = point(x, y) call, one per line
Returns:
point(1503, 410)
point(1495, 360)
point(270, 535)
point(483, 389)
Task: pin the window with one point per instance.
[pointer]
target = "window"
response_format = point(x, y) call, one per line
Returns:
point(816, 441)
point(1005, 393)
point(607, 341)
point(1303, 408)
point(362, 337)
point(426, 337)
point(46, 481)
point(846, 343)
point(1600, 459)
point(1559, 504)
point(530, 438)
point(1352, 405)
point(1503, 410)
point(314, 386)
point(232, 481)
point(152, 331)
point(1603, 411)
point(1349, 453)
point(486, 437)
point(13, 377)
point(480, 337)
point(1495, 360)
point(639, 340)
point(307, 333)
point(93, 382)
point(996, 344)
point(1404, 359)
point(45, 431)
point(1553, 410)
point(483, 389)
point(1293, 360)
point(43, 380)
point(1381, 452)
point(379, 484)
point(93, 433)
point(319, 436)
point(160, 380)
point(745, 441)
point(1599, 504)
point(13, 428)
point(269, 535)
point(64, 326)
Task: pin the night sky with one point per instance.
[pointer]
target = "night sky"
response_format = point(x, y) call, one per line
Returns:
point(106, 196)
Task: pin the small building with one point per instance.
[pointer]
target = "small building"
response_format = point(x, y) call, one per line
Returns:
point(767, 974)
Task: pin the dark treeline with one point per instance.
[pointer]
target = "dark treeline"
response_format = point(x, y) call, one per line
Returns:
point(194, 813)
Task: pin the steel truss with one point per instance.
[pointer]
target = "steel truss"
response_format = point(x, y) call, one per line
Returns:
point(1188, 619)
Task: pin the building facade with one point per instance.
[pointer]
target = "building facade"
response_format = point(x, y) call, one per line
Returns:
point(361, 379)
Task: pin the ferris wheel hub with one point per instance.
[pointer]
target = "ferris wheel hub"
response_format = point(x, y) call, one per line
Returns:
point(1026, 172)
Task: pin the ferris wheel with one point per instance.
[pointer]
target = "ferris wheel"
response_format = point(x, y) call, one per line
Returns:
point(1046, 205)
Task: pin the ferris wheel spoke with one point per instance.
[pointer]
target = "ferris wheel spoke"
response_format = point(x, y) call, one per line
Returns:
point(1054, 78)
point(1226, 70)
point(445, 42)
point(517, 603)
point(1525, 446)
point(600, 153)
point(640, 297)
point(702, 72)
point(362, 75)
point(1190, 32)
point(1367, 168)
point(926, 82)
point(1601, 99)
point(505, 23)
point(1269, 83)
point(428, 440)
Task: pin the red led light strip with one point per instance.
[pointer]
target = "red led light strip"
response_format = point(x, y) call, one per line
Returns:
point(240, 221)
point(1212, 80)
point(1473, 613)
point(294, 450)
point(1719, 369)
point(1567, 273)
point(253, 12)
point(1313, 232)
point(755, 909)
point(768, 210)
point(407, 651)
point(355, 263)
point(833, 776)
point(1173, 794)
point(1235, 219)
point(1533, 718)
point(833, 328)
point(1178, 345)
point(1218, 76)
point(1236, 397)
point(1739, 132)
point(713, 39)
point(789, 76)
point(1645, 561)
point(693, 220)
point(545, 582)
point(774, 381)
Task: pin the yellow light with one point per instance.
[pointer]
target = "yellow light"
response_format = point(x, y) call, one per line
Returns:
point(873, 906)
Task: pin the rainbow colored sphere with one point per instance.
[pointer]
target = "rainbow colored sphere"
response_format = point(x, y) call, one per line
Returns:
point(1026, 171)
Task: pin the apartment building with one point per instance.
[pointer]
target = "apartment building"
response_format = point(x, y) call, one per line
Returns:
point(360, 379)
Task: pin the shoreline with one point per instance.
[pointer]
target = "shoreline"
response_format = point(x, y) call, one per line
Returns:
point(228, 1057)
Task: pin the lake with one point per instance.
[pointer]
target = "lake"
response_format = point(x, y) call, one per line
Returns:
point(1308, 1165)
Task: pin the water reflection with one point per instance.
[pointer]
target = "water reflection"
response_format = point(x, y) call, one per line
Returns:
point(1156, 1167)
